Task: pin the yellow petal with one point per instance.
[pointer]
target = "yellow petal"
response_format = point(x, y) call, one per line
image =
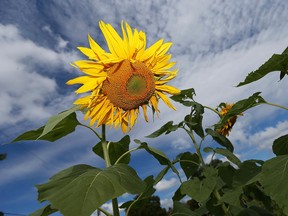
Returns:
point(151, 51)
point(166, 100)
point(164, 48)
point(144, 107)
point(84, 100)
point(90, 85)
point(154, 101)
point(88, 52)
point(99, 52)
point(168, 89)
point(114, 41)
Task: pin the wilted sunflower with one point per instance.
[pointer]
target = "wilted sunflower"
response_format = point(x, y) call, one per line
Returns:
point(227, 127)
point(124, 79)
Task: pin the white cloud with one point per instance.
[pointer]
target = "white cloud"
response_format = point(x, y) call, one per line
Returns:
point(263, 138)
point(181, 144)
point(166, 203)
point(165, 184)
point(24, 91)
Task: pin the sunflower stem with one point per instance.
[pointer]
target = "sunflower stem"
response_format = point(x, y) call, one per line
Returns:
point(94, 131)
point(223, 206)
point(108, 164)
point(214, 110)
point(190, 133)
point(276, 105)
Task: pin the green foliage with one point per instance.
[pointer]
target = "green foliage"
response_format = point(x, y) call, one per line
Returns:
point(274, 180)
point(240, 107)
point(233, 187)
point(81, 189)
point(280, 145)
point(60, 126)
point(201, 188)
point(189, 163)
point(3, 156)
point(180, 209)
point(219, 138)
point(278, 62)
point(115, 150)
point(45, 211)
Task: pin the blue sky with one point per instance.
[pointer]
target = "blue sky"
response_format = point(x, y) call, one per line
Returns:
point(215, 43)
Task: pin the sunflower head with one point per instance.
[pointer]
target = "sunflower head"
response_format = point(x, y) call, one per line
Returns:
point(125, 78)
point(227, 127)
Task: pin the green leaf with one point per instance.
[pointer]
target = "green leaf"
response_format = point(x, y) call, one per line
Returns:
point(185, 97)
point(156, 153)
point(247, 171)
point(276, 63)
point(189, 163)
point(55, 120)
point(194, 120)
point(146, 195)
point(226, 173)
point(280, 145)
point(45, 211)
point(3, 156)
point(81, 189)
point(163, 129)
point(200, 189)
point(240, 107)
point(180, 209)
point(232, 197)
point(161, 174)
point(274, 180)
point(228, 154)
point(115, 150)
point(64, 127)
point(219, 138)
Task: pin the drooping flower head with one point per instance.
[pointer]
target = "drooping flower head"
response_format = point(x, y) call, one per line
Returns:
point(124, 79)
point(227, 127)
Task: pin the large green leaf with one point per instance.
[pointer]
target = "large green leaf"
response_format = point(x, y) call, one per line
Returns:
point(276, 63)
point(81, 189)
point(200, 189)
point(280, 145)
point(45, 211)
point(219, 138)
point(180, 209)
point(246, 172)
point(55, 120)
point(189, 163)
point(274, 180)
point(115, 150)
point(64, 127)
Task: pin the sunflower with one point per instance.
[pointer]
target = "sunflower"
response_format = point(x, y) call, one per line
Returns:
point(124, 79)
point(227, 127)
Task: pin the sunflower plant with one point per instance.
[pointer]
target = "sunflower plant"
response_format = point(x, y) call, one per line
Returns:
point(128, 80)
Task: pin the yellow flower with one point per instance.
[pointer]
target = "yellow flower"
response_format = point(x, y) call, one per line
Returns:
point(124, 79)
point(227, 127)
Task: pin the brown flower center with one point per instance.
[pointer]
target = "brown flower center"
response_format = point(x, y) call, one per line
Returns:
point(129, 85)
